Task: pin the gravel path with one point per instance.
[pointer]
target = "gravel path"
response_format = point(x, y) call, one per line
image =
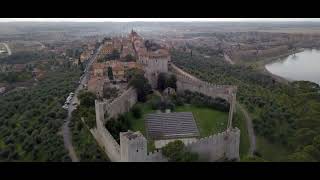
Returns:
point(252, 137)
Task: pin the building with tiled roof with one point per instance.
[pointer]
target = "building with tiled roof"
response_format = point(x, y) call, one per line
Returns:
point(99, 69)
point(118, 72)
point(95, 85)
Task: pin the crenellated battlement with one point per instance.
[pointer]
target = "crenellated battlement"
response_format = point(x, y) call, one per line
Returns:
point(215, 147)
point(184, 77)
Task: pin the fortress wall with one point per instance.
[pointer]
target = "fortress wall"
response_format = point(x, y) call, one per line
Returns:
point(122, 104)
point(186, 81)
point(107, 143)
point(118, 106)
point(210, 148)
point(233, 144)
point(218, 146)
point(156, 156)
point(103, 136)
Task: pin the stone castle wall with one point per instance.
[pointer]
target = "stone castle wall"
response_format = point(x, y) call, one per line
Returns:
point(218, 146)
point(118, 106)
point(107, 142)
point(186, 81)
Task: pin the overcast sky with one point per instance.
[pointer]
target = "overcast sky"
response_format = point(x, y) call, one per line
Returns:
point(153, 19)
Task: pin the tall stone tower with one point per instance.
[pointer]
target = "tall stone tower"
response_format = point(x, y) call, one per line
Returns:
point(155, 63)
point(133, 147)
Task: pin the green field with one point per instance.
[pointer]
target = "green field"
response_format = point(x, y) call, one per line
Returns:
point(209, 121)
point(138, 124)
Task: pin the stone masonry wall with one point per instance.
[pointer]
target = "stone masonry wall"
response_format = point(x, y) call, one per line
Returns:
point(218, 146)
point(107, 142)
point(118, 106)
point(186, 81)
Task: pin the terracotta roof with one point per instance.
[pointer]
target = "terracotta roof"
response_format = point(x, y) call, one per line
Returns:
point(99, 66)
point(118, 67)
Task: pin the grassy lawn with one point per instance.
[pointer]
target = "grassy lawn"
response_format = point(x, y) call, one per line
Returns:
point(138, 124)
point(270, 151)
point(209, 121)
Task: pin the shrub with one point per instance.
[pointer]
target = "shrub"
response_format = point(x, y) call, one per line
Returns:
point(136, 111)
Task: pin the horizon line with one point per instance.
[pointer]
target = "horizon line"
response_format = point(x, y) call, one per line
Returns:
point(159, 20)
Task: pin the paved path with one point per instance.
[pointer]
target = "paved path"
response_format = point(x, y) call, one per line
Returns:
point(67, 137)
point(252, 137)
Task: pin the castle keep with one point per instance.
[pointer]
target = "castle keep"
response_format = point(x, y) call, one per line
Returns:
point(133, 145)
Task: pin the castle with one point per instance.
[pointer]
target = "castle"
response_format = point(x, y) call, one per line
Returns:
point(133, 145)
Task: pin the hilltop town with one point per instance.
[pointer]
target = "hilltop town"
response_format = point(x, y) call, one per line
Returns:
point(110, 72)
point(159, 92)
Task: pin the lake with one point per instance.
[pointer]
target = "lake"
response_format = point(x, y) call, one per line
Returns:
point(301, 66)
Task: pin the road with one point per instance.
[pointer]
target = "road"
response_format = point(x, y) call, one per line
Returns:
point(67, 137)
point(252, 137)
point(227, 58)
point(8, 49)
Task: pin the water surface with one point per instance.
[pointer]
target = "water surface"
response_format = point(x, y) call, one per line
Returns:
point(300, 66)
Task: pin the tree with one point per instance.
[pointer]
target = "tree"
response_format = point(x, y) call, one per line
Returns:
point(136, 111)
point(189, 157)
point(303, 137)
point(115, 54)
point(313, 151)
point(80, 64)
point(316, 142)
point(110, 73)
point(87, 99)
point(172, 82)
point(129, 58)
point(300, 156)
point(140, 83)
point(110, 92)
point(253, 159)
point(175, 152)
point(162, 81)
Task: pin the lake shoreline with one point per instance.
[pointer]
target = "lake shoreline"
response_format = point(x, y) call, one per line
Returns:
point(278, 77)
point(262, 65)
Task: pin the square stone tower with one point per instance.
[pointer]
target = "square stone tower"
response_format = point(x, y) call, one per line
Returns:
point(133, 147)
